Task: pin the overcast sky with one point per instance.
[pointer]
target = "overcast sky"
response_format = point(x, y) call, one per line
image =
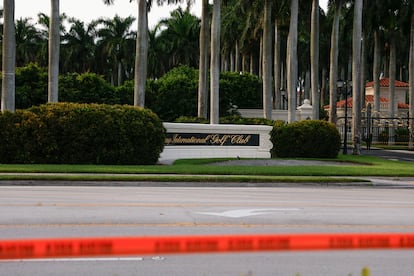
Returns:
point(88, 10)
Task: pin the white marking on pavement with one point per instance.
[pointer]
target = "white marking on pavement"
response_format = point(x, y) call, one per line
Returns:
point(247, 212)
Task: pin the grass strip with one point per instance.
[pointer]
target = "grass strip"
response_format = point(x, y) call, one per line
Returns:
point(348, 165)
point(181, 178)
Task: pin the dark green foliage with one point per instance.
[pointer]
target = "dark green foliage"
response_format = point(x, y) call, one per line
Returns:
point(242, 90)
point(68, 133)
point(19, 136)
point(175, 94)
point(125, 93)
point(402, 134)
point(31, 86)
point(231, 119)
point(85, 88)
point(310, 138)
point(238, 120)
point(323, 114)
point(195, 120)
point(171, 96)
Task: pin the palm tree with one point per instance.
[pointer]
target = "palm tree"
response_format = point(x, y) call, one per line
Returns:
point(203, 63)
point(115, 39)
point(28, 42)
point(356, 77)
point(411, 75)
point(315, 59)
point(376, 70)
point(180, 33)
point(215, 63)
point(141, 54)
point(333, 71)
point(44, 21)
point(79, 47)
point(267, 60)
point(157, 54)
point(54, 49)
point(291, 60)
point(9, 58)
point(141, 51)
point(281, 10)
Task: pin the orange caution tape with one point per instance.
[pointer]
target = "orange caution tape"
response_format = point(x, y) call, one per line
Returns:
point(84, 247)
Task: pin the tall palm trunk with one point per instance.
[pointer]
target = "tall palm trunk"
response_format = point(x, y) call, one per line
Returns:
point(292, 61)
point(333, 71)
point(267, 61)
point(203, 65)
point(363, 69)
point(277, 100)
point(237, 57)
point(9, 58)
point(376, 72)
point(215, 63)
point(323, 86)
point(392, 76)
point(141, 56)
point(411, 80)
point(392, 102)
point(119, 74)
point(54, 49)
point(356, 77)
point(315, 59)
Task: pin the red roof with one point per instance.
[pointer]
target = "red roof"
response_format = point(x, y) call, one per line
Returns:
point(368, 99)
point(385, 82)
point(403, 106)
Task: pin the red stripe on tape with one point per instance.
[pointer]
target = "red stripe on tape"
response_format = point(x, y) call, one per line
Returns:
point(86, 247)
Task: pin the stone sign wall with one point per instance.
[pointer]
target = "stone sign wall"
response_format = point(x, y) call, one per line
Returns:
point(215, 141)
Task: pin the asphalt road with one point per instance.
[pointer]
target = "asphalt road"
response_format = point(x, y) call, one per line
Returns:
point(399, 155)
point(40, 212)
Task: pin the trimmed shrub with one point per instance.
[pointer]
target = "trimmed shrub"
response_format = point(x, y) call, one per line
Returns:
point(310, 139)
point(31, 86)
point(125, 93)
point(67, 133)
point(175, 94)
point(231, 119)
point(85, 88)
point(239, 120)
point(242, 90)
point(19, 136)
point(193, 120)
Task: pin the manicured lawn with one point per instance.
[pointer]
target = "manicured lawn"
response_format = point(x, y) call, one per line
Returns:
point(202, 170)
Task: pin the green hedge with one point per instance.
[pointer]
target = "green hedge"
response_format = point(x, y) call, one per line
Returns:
point(67, 133)
point(230, 119)
point(309, 138)
point(173, 95)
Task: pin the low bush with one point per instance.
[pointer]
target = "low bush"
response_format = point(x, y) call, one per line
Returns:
point(309, 138)
point(67, 133)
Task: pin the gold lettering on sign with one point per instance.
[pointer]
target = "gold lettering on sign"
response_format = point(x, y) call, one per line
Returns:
point(178, 139)
point(213, 139)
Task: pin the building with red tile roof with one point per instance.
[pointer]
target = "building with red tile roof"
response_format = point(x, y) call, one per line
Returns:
point(401, 98)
